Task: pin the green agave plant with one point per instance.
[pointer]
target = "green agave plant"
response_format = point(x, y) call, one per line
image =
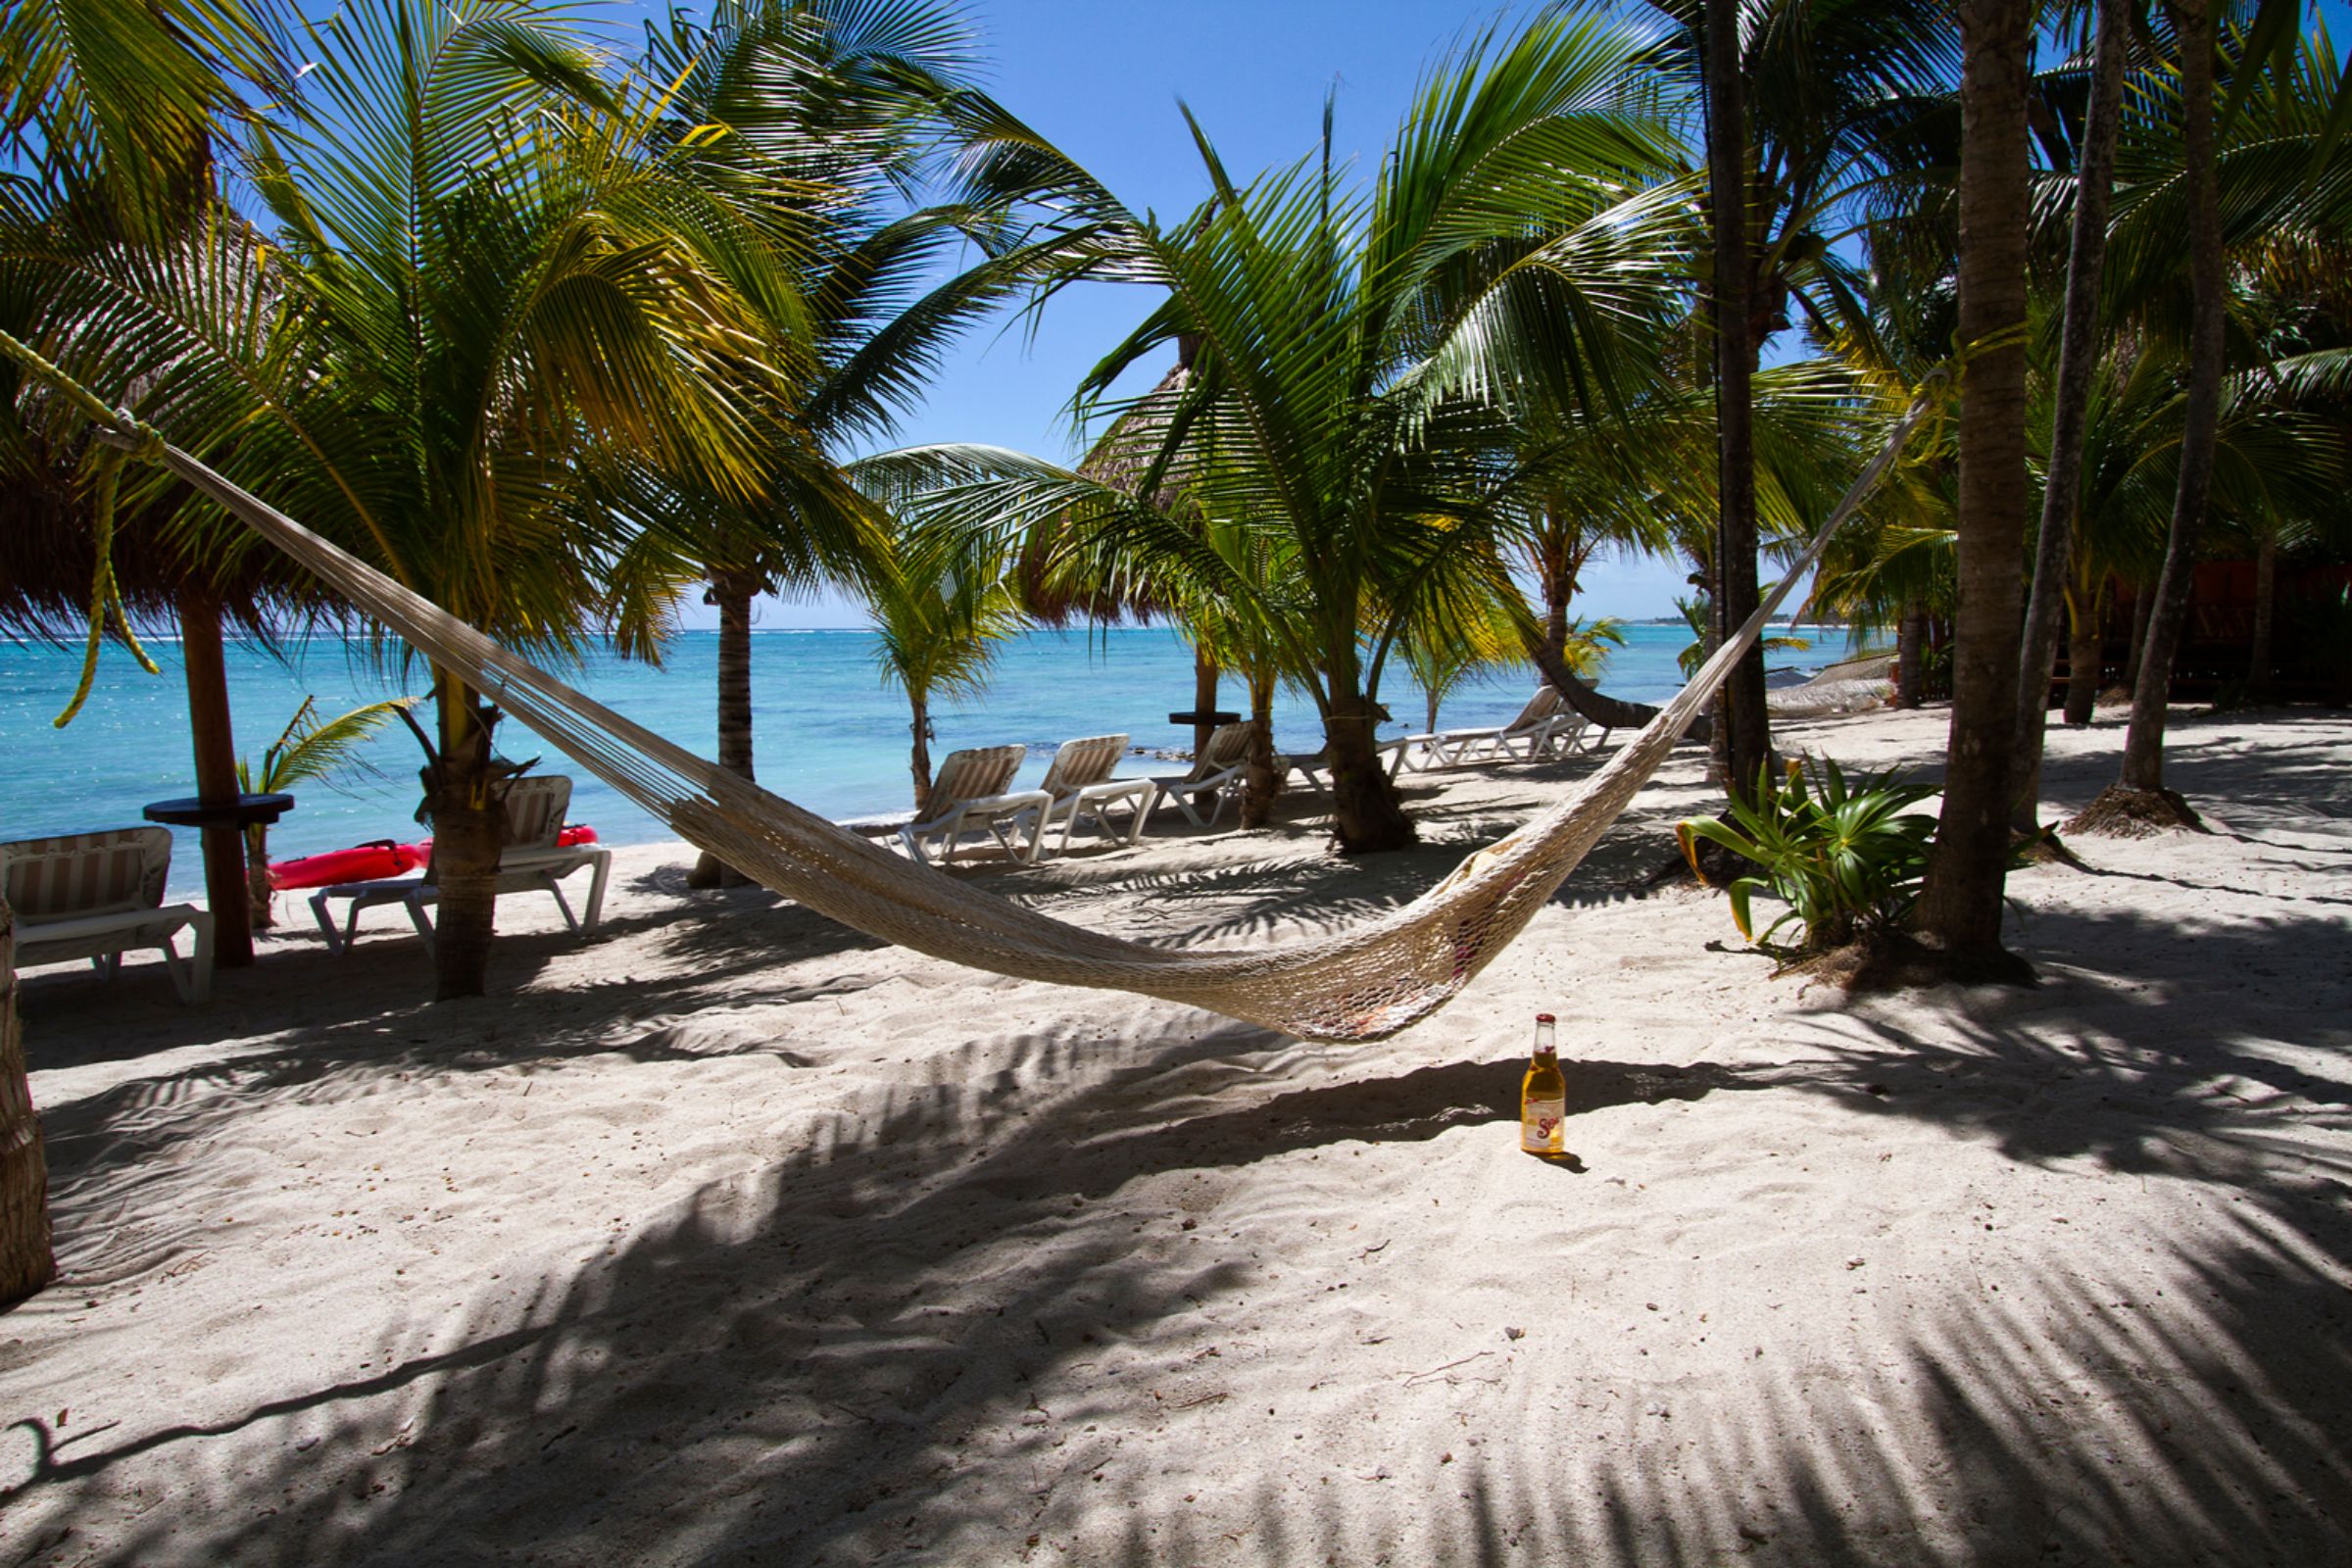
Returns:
point(1842, 856)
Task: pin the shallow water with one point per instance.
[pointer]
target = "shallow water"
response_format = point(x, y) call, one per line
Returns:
point(827, 732)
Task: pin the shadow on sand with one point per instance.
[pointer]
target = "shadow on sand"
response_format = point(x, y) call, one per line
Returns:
point(867, 1421)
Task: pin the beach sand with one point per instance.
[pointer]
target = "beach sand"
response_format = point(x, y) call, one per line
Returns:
point(732, 1237)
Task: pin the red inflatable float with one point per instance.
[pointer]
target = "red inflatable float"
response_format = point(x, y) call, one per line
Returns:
point(376, 859)
point(363, 863)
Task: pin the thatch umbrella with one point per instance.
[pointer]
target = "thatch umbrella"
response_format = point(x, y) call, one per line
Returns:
point(171, 559)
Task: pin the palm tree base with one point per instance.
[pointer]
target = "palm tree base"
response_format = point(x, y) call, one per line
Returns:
point(2121, 813)
point(1881, 960)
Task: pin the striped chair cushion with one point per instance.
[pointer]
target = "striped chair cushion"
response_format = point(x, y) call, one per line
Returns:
point(86, 874)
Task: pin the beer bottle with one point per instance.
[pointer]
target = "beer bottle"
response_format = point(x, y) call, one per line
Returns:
point(1544, 1096)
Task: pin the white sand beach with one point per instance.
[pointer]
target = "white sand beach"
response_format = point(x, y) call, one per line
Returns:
point(730, 1237)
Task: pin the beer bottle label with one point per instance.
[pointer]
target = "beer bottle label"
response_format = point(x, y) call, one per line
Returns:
point(1539, 1125)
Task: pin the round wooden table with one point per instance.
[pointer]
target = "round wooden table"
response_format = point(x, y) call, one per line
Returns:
point(223, 827)
point(244, 811)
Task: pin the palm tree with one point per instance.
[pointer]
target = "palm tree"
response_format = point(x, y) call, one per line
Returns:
point(109, 112)
point(2276, 176)
point(940, 619)
point(479, 311)
point(1808, 103)
point(309, 749)
point(115, 116)
point(1960, 905)
point(1357, 354)
point(1646, 480)
point(2047, 596)
point(831, 109)
point(2144, 743)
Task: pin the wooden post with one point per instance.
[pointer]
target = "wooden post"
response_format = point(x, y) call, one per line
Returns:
point(1204, 702)
point(26, 1262)
point(207, 666)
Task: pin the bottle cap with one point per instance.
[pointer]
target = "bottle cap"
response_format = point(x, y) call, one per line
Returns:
point(1544, 1018)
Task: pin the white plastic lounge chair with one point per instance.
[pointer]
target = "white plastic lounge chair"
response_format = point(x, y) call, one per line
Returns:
point(98, 896)
point(969, 794)
point(1081, 786)
point(531, 863)
point(1547, 727)
point(1312, 765)
point(1216, 773)
point(1308, 765)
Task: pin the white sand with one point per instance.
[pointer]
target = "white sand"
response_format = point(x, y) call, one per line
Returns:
point(732, 1238)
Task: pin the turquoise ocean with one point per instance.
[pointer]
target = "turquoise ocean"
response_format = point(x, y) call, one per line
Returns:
point(827, 734)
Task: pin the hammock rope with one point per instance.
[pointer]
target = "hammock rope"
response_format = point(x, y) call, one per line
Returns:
point(1364, 982)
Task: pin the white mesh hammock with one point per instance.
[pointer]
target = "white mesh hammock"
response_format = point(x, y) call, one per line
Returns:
point(1362, 983)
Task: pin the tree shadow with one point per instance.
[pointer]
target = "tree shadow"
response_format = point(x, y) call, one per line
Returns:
point(837, 1357)
point(859, 1358)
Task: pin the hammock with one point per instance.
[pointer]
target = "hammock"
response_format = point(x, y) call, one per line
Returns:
point(1363, 983)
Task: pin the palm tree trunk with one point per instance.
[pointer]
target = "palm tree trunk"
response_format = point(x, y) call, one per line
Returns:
point(1597, 708)
point(1204, 700)
point(1261, 783)
point(919, 759)
point(2144, 743)
point(732, 592)
point(2266, 601)
point(2078, 357)
point(465, 796)
point(205, 663)
point(1960, 905)
point(260, 896)
point(1559, 586)
point(2143, 607)
point(1911, 655)
point(2084, 651)
point(1366, 813)
point(26, 1262)
point(1746, 719)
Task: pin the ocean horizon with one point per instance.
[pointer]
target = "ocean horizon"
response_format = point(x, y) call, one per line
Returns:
point(827, 734)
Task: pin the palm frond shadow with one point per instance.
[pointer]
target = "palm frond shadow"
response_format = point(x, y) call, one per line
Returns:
point(883, 1404)
point(861, 1358)
point(2093, 1067)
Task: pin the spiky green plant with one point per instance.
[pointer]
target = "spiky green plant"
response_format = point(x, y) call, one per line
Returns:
point(1844, 858)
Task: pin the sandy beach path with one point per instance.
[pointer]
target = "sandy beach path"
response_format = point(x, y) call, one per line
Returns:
point(733, 1237)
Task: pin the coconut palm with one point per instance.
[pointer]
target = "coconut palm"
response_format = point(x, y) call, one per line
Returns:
point(115, 116)
point(1356, 349)
point(310, 749)
point(1808, 103)
point(1960, 905)
point(125, 103)
point(465, 311)
point(2193, 190)
point(2142, 775)
point(941, 617)
point(2048, 596)
point(830, 109)
point(108, 113)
